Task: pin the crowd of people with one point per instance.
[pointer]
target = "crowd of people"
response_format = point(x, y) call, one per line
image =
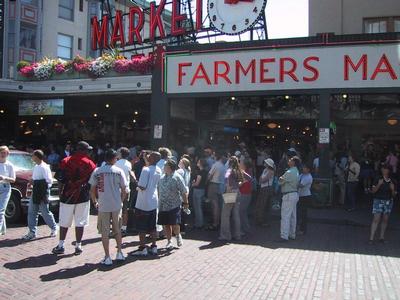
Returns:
point(162, 189)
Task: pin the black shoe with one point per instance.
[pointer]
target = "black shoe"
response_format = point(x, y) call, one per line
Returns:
point(78, 251)
point(58, 250)
point(281, 240)
point(123, 232)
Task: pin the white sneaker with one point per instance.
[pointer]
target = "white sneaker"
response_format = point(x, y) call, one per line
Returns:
point(169, 246)
point(120, 256)
point(107, 261)
point(139, 252)
point(28, 237)
point(54, 232)
point(179, 240)
point(153, 250)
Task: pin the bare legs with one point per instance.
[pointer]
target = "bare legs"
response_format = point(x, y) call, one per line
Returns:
point(375, 223)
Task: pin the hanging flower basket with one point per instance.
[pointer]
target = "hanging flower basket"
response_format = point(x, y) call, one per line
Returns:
point(109, 64)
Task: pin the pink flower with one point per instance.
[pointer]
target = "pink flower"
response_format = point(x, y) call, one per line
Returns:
point(81, 67)
point(59, 69)
point(122, 65)
point(27, 71)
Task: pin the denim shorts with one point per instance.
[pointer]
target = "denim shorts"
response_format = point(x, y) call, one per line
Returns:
point(382, 206)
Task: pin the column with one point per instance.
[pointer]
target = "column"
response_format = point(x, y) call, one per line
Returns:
point(159, 111)
point(324, 124)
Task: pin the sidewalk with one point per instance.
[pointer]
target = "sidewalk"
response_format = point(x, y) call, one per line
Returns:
point(333, 261)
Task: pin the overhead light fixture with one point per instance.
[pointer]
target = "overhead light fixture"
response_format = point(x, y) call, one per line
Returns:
point(136, 112)
point(304, 132)
point(247, 121)
point(23, 122)
point(392, 122)
point(37, 123)
point(95, 115)
point(307, 128)
point(41, 118)
point(288, 128)
point(134, 121)
point(279, 126)
point(258, 123)
point(1, 111)
point(233, 98)
point(287, 97)
point(344, 96)
point(272, 125)
point(28, 132)
point(107, 105)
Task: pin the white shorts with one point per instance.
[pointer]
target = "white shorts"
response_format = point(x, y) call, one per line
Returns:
point(77, 212)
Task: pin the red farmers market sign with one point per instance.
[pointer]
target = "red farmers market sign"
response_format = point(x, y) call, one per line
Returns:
point(137, 32)
point(363, 66)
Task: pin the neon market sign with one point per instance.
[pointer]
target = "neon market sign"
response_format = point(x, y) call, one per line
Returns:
point(136, 18)
point(129, 29)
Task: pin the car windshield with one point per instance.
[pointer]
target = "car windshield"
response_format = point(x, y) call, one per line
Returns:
point(21, 161)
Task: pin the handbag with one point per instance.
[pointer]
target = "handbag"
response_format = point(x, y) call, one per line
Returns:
point(229, 197)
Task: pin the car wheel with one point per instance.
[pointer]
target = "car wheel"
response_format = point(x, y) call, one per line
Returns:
point(13, 211)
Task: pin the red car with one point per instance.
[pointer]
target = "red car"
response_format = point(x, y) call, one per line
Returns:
point(22, 189)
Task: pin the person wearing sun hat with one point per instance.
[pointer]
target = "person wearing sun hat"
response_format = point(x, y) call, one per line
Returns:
point(266, 193)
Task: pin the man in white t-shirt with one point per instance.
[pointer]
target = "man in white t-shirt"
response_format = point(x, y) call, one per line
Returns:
point(108, 191)
point(147, 203)
point(42, 180)
point(125, 165)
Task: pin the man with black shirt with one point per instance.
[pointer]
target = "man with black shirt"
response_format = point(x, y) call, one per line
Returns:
point(73, 178)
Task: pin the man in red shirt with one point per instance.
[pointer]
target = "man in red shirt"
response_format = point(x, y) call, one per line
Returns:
point(73, 178)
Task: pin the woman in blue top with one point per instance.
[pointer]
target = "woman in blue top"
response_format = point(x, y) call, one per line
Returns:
point(384, 192)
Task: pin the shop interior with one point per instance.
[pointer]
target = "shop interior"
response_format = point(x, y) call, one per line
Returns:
point(276, 122)
point(114, 119)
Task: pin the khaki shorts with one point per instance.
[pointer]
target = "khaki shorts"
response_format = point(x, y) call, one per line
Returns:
point(104, 222)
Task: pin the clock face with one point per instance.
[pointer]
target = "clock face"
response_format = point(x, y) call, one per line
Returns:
point(235, 16)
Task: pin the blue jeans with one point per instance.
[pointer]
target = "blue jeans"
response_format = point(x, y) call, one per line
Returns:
point(33, 214)
point(244, 201)
point(351, 194)
point(5, 193)
point(198, 198)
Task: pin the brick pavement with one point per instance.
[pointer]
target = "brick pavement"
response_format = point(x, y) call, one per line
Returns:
point(331, 262)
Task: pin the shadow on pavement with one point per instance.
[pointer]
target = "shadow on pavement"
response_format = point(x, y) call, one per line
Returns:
point(69, 273)
point(16, 242)
point(44, 260)
point(320, 237)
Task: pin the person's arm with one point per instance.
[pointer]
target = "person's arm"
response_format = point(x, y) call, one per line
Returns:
point(196, 183)
point(392, 189)
point(93, 195)
point(143, 179)
point(48, 176)
point(377, 186)
point(185, 200)
point(124, 187)
point(11, 178)
point(211, 173)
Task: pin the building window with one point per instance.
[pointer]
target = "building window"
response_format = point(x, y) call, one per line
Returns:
point(66, 9)
point(79, 44)
point(27, 37)
point(80, 5)
point(397, 25)
point(380, 25)
point(375, 26)
point(64, 46)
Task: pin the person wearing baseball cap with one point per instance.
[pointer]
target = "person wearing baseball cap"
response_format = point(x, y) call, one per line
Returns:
point(264, 199)
point(73, 177)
